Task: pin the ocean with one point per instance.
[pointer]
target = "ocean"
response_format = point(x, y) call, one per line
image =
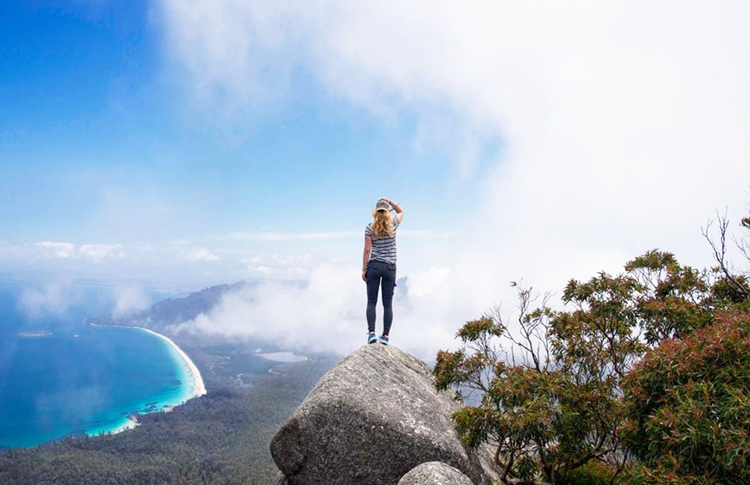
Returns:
point(59, 377)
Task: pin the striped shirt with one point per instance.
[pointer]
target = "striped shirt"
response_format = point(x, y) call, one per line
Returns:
point(383, 249)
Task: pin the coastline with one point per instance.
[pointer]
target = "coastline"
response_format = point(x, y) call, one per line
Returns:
point(193, 384)
point(198, 386)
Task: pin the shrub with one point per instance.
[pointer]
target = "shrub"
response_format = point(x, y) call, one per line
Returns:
point(569, 401)
point(688, 407)
point(592, 473)
point(552, 400)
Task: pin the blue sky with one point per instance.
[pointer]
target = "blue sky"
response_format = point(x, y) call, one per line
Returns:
point(204, 142)
point(99, 147)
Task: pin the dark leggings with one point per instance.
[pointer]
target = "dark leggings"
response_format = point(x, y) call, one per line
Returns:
point(377, 272)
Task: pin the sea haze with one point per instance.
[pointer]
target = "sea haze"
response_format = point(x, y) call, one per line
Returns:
point(60, 377)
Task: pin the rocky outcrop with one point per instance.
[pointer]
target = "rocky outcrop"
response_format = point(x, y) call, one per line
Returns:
point(371, 419)
point(434, 473)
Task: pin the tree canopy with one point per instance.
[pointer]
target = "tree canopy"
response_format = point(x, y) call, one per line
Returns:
point(642, 377)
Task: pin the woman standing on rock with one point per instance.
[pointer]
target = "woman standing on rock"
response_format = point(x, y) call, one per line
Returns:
point(379, 264)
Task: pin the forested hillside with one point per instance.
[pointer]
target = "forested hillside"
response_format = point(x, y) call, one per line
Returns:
point(220, 438)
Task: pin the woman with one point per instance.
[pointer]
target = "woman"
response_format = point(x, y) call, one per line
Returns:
point(379, 264)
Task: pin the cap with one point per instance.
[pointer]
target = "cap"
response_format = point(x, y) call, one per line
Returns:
point(382, 205)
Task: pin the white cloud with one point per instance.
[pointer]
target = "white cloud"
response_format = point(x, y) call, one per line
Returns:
point(326, 312)
point(64, 250)
point(129, 298)
point(99, 252)
point(277, 265)
point(200, 254)
point(57, 249)
point(53, 298)
point(621, 126)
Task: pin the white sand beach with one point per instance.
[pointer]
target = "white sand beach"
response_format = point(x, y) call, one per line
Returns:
point(198, 387)
point(127, 424)
point(195, 388)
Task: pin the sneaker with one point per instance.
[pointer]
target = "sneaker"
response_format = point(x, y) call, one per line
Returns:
point(383, 339)
point(371, 338)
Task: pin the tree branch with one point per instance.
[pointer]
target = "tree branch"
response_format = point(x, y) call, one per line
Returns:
point(720, 251)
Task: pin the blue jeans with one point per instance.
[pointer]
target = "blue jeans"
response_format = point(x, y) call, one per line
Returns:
point(380, 273)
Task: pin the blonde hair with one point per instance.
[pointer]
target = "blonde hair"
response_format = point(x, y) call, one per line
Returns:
point(382, 226)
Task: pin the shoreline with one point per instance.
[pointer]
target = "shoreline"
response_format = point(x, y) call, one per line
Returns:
point(199, 387)
point(128, 424)
point(196, 388)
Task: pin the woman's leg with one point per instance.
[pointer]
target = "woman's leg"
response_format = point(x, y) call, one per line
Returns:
point(389, 282)
point(373, 282)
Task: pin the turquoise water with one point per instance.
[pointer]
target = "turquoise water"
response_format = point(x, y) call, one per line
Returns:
point(79, 379)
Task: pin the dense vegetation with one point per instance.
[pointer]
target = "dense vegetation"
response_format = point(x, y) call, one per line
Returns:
point(220, 438)
point(688, 407)
point(644, 377)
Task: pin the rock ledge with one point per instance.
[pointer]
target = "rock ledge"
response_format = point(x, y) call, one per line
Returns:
point(371, 419)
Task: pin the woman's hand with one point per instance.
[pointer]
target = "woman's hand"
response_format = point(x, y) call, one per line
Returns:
point(364, 275)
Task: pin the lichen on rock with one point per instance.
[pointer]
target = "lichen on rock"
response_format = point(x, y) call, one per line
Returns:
point(434, 473)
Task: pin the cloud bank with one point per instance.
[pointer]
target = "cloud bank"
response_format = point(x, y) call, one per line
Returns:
point(64, 250)
point(58, 297)
point(325, 312)
point(53, 298)
point(594, 130)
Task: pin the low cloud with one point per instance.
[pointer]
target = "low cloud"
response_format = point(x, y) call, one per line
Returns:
point(129, 299)
point(326, 312)
point(53, 298)
point(92, 252)
point(200, 254)
point(278, 265)
point(57, 249)
point(99, 252)
point(56, 297)
point(593, 131)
